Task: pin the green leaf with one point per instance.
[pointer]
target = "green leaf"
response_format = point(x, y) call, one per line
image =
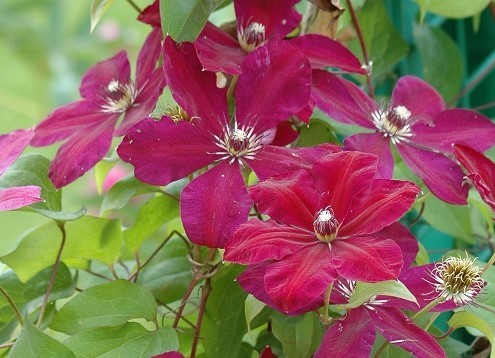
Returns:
point(300, 336)
point(98, 7)
point(441, 58)
point(32, 169)
point(252, 307)
point(102, 168)
point(365, 291)
point(34, 343)
point(450, 219)
point(128, 340)
point(168, 274)
point(150, 217)
point(109, 304)
point(61, 215)
point(422, 258)
point(119, 195)
point(467, 319)
point(456, 9)
point(184, 20)
point(88, 238)
point(224, 325)
point(317, 132)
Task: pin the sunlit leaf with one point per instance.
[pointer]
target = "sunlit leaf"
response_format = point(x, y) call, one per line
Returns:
point(124, 190)
point(456, 9)
point(98, 8)
point(252, 307)
point(468, 319)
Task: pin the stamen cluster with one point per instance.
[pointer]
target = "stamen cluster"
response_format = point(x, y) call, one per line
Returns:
point(325, 224)
point(392, 122)
point(252, 36)
point(118, 96)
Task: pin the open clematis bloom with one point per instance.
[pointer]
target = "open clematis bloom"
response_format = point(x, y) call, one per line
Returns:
point(354, 334)
point(87, 126)
point(415, 121)
point(481, 172)
point(199, 133)
point(324, 223)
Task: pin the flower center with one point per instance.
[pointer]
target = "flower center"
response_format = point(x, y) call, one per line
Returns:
point(392, 122)
point(457, 278)
point(251, 36)
point(177, 113)
point(118, 96)
point(325, 225)
point(239, 142)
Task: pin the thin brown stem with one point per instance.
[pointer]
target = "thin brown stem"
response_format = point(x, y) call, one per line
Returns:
point(204, 297)
point(416, 219)
point(134, 6)
point(185, 298)
point(13, 305)
point(51, 282)
point(486, 105)
point(367, 62)
point(98, 275)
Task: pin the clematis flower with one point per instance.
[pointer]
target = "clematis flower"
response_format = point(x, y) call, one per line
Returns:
point(354, 334)
point(415, 121)
point(19, 196)
point(87, 126)
point(481, 172)
point(324, 223)
point(200, 133)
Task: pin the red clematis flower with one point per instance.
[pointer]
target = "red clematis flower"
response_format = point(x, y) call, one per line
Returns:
point(324, 223)
point(200, 133)
point(415, 121)
point(87, 126)
point(481, 172)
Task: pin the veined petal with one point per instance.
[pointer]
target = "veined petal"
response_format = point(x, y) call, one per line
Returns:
point(68, 121)
point(277, 16)
point(80, 153)
point(164, 151)
point(352, 336)
point(386, 202)
point(374, 143)
point(148, 58)
point(17, 197)
point(257, 241)
point(400, 330)
point(323, 51)
point(218, 51)
point(289, 199)
point(194, 89)
point(300, 278)
point(367, 258)
point(405, 239)
point(115, 69)
point(340, 176)
point(13, 144)
point(342, 100)
point(440, 174)
point(264, 97)
point(419, 97)
point(214, 204)
point(285, 135)
point(304, 115)
point(151, 15)
point(456, 126)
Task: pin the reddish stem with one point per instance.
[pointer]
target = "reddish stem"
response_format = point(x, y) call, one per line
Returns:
point(202, 306)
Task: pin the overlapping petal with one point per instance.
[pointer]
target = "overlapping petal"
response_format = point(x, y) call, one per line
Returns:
point(13, 144)
point(406, 241)
point(374, 143)
point(17, 197)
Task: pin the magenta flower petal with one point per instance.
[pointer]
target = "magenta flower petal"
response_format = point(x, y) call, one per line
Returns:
point(148, 57)
point(80, 153)
point(377, 144)
point(257, 241)
point(352, 336)
point(440, 174)
point(274, 98)
point(481, 172)
point(13, 144)
point(341, 176)
point(386, 202)
point(402, 237)
point(194, 90)
point(300, 278)
point(322, 52)
point(165, 151)
point(293, 193)
point(285, 135)
point(421, 99)
point(214, 204)
point(277, 16)
point(171, 354)
point(151, 14)
point(304, 115)
point(218, 51)
point(397, 328)
point(382, 258)
point(456, 126)
point(116, 68)
point(17, 197)
point(342, 100)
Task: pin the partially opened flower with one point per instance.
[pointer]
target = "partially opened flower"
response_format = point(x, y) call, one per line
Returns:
point(481, 172)
point(415, 121)
point(325, 223)
point(87, 126)
point(200, 132)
